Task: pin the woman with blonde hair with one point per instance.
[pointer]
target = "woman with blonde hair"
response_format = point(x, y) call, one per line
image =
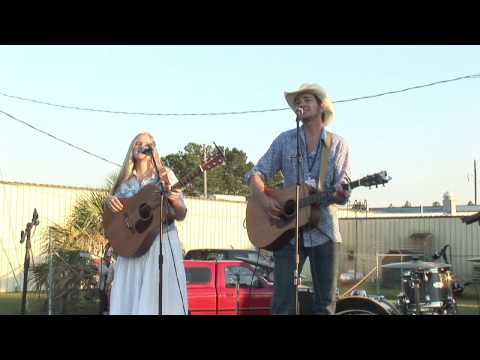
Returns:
point(135, 289)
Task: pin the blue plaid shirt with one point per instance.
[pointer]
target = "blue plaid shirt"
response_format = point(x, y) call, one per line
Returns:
point(281, 156)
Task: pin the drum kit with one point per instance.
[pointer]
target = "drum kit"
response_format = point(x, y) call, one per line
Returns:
point(426, 289)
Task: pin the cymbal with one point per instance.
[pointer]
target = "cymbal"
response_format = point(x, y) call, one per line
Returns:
point(477, 259)
point(416, 265)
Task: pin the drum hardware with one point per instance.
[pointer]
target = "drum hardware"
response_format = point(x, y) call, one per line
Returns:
point(359, 305)
point(416, 265)
point(426, 288)
point(359, 293)
point(427, 292)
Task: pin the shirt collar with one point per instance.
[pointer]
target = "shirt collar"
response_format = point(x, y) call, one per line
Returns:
point(134, 173)
point(323, 136)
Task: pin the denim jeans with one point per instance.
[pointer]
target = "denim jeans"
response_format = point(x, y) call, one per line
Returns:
point(323, 265)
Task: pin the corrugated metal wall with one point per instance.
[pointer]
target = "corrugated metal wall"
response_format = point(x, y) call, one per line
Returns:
point(214, 224)
point(17, 201)
point(209, 224)
point(220, 224)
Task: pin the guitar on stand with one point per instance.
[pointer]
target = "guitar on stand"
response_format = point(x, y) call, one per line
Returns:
point(132, 231)
point(269, 234)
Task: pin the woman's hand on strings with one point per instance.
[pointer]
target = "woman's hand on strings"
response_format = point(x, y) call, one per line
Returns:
point(114, 203)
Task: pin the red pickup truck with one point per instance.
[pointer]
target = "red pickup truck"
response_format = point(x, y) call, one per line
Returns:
point(226, 287)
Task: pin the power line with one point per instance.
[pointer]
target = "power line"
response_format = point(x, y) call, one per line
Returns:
point(411, 88)
point(58, 139)
point(194, 114)
point(233, 112)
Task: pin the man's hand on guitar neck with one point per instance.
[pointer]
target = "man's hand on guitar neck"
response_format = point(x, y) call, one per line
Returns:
point(341, 196)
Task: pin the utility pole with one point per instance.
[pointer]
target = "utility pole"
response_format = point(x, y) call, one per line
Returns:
point(204, 173)
point(475, 178)
point(357, 207)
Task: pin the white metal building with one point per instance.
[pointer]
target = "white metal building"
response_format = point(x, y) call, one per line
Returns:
point(220, 224)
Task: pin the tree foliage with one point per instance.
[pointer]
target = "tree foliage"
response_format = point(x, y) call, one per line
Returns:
point(227, 179)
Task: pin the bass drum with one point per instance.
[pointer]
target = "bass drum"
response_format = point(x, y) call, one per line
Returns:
point(359, 305)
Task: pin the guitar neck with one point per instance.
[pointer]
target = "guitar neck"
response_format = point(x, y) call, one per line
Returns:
point(184, 181)
point(323, 197)
point(317, 198)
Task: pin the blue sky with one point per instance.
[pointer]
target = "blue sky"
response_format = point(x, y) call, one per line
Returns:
point(426, 138)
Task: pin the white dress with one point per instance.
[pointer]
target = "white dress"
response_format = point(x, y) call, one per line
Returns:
point(135, 287)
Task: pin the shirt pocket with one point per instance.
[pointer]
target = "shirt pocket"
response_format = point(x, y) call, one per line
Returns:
point(290, 159)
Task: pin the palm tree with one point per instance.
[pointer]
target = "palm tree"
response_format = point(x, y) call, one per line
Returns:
point(74, 244)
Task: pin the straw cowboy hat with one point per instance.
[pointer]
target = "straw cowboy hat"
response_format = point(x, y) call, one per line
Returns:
point(320, 93)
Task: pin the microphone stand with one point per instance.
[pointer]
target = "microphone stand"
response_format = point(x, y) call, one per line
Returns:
point(149, 152)
point(297, 206)
point(26, 264)
point(160, 253)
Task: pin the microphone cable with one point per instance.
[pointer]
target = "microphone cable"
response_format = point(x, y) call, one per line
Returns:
point(251, 280)
point(175, 268)
point(173, 260)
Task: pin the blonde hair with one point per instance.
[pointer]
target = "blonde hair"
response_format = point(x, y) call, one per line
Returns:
point(129, 164)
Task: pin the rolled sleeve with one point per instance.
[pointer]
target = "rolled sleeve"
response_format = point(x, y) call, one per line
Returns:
point(342, 168)
point(269, 164)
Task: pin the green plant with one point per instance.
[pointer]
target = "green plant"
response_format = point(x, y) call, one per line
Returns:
point(73, 247)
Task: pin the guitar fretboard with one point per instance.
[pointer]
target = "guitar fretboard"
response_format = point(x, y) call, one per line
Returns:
point(184, 181)
point(325, 197)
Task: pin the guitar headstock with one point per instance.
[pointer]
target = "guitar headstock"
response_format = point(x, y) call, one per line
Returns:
point(376, 179)
point(215, 161)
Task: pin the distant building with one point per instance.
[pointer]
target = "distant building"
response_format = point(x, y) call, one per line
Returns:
point(234, 198)
point(448, 208)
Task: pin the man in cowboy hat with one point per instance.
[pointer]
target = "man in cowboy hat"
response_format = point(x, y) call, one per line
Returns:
point(324, 166)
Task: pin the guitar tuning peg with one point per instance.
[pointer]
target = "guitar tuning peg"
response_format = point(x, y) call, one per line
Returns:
point(376, 186)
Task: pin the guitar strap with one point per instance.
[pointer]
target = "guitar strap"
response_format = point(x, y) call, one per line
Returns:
point(324, 162)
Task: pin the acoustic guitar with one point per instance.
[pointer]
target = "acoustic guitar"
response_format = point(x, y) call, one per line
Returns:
point(132, 231)
point(267, 233)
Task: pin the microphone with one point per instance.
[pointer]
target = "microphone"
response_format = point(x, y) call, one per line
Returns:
point(35, 217)
point(299, 111)
point(440, 253)
point(147, 151)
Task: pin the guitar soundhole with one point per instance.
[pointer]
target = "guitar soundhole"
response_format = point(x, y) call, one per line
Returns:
point(289, 208)
point(145, 211)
